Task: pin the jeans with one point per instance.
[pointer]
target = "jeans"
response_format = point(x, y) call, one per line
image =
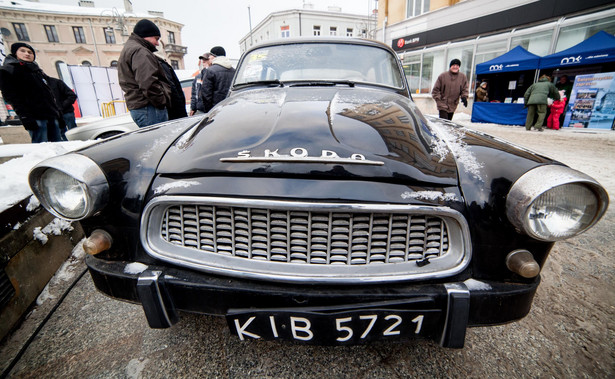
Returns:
point(47, 131)
point(149, 115)
point(69, 120)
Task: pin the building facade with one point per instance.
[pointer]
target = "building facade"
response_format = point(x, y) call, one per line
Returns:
point(309, 22)
point(428, 34)
point(81, 35)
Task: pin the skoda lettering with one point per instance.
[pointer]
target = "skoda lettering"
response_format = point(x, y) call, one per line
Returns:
point(300, 154)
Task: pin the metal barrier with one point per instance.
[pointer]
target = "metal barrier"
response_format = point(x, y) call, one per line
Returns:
point(108, 109)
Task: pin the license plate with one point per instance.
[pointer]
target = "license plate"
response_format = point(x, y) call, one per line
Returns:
point(353, 324)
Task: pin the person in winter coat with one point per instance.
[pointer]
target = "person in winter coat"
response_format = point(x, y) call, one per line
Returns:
point(65, 98)
point(535, 99)
point(450, 86)
point(217, 79)
point(177, 107)
point(147, 90)
point(481, 93)
point(557, 108)
point(26, 87)
point(196, 102)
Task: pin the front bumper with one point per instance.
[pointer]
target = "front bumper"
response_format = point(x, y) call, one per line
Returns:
point(163, 291)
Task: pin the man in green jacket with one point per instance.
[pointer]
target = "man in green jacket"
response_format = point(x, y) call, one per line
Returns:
point(536, 101)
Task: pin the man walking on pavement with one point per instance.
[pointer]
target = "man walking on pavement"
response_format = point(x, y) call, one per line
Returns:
point(142, 78)
point(217, 79)
point(450, 86)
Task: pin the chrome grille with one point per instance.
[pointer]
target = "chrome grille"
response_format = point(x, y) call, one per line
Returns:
point(301, 241)
point(305, 237)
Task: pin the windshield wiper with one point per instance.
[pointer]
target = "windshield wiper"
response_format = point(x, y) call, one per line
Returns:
point(349, 83)
point(273, 82)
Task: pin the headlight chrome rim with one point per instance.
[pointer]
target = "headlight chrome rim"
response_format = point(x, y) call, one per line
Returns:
point(540, 180)
point(84, 171)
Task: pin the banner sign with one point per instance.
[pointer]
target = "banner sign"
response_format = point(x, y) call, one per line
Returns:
point(592, 102)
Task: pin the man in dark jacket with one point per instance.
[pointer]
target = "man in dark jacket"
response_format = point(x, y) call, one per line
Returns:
point(217, 79)
point(177, 107)
point(25, 86)
point(196, 102)
point(450, 86)
point(65, 98)
point(535, 99)
point(142, 78)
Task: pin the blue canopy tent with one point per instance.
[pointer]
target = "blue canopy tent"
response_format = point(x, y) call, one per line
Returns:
point(599, 48)
point(516, 60)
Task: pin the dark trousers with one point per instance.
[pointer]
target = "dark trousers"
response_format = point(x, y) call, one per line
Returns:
point(446, 115)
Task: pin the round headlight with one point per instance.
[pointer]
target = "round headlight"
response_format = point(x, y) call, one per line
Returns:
point(65, 194)
point(70, 186)
point(552, 203)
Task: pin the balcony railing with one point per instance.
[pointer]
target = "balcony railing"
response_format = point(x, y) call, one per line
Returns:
point(175, 49)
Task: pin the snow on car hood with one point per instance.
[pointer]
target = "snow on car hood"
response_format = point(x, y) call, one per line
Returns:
point(341, 132)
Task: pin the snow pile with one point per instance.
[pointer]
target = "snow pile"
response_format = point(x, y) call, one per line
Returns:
point(135, 268)
point(178, 184)
point(55, 227)
point(451, 139)
point(14, 173)
point(429, 195)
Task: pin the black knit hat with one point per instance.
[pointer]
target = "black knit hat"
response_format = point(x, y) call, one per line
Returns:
point(17, 45)
point(217, 51)
point(455, 61)
point(146, 28)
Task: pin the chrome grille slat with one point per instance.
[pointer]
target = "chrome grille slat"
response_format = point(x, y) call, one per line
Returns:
point(331, 238)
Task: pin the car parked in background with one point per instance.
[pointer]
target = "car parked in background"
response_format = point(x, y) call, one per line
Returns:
point(317, 204)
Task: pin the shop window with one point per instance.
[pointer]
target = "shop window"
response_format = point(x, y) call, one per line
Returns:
point(316, 30)
point(172, 38)
point(574, 34)
point(21, 32)
point(412, 70)
point(488, 50)
point(465, 55)
point(416, 8)
point(79, 34)
point(536, 43)
point(52, 33)
point(109, 35)
point(433, 65)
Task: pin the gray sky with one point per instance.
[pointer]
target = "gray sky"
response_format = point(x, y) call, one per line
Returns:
point(209, 23)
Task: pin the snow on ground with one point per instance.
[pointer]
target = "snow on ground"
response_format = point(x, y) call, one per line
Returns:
point(14, 173)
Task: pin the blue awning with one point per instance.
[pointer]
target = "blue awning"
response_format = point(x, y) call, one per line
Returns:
point(517, 59)
point(598, 48)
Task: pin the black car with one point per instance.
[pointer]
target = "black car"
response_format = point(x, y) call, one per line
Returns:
point(317, 204)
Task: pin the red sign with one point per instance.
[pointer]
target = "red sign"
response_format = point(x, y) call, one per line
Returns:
point(401, 43)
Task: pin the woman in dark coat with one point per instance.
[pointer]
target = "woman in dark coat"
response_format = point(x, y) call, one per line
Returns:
point(25, 86)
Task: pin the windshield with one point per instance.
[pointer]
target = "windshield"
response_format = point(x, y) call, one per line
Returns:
point(317, 62)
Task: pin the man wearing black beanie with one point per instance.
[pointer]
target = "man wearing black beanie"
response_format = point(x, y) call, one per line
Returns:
point(146, 89)
point(449, 87)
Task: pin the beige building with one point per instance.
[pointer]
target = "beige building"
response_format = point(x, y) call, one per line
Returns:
point(81, 35)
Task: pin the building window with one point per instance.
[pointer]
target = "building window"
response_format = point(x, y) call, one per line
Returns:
point(79, 34)
point(52, 33)
point(86, 64)
point(316, 30)
point(113, 64)
point(172, 38)
point(109, 35)
point(333, 31)
point(349, 32)
point(571, 35)
point(536, 43)
point(175, 64)
point(417, 8)
point(21, 31)
point(285, 31)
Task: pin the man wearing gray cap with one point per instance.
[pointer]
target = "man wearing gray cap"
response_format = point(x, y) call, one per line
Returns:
point(142, 78)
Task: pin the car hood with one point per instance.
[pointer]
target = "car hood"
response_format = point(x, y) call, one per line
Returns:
point(317, 132)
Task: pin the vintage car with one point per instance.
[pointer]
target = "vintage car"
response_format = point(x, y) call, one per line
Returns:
point(317, 204)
